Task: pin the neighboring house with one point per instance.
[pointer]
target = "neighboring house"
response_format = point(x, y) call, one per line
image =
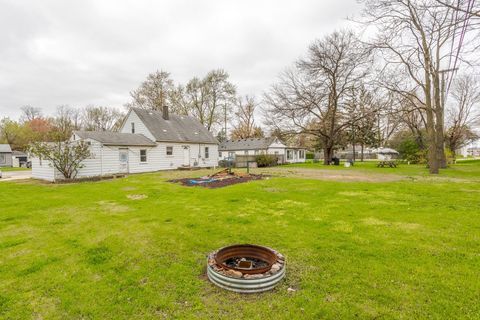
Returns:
point(19, 159)
point(5, 155)
point(256, 146)
point(147, 141)
point(473, 152)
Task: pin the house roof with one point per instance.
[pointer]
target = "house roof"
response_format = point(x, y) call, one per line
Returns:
point(176, 129)
point(116, 138)
point(5, 148)
point(247, 144)
point(19, 153)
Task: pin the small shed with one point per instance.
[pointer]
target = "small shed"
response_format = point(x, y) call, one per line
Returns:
point(5, 155)
point(19, 159)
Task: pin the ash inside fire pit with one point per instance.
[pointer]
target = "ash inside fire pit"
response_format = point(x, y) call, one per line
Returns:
point(245, 263)
point(246, 268)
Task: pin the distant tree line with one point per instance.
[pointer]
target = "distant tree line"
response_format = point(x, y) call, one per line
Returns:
point(34, 126)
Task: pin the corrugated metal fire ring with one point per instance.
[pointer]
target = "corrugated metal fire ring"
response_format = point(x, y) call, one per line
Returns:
point(258, 278)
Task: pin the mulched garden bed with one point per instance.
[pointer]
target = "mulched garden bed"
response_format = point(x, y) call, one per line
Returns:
point(218, 180)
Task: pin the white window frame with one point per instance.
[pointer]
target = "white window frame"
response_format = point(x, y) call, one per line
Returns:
point(171, 150)
point(206, 151)
point(289, 154)
point(132, 126)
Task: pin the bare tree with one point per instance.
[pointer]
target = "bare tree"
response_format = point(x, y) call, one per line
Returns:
point(154, 92)
point(221, 97)
point(65, 120)
point(363, 118)
point(415, 39)
point(468, 7)
point(30, 113)
point(197, 100)
point(314, 96)
point(463, 113)
point(100, 118)
point(245, 119)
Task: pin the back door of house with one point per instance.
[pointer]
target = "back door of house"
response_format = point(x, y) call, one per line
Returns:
point(123, 160)
point(186, 156)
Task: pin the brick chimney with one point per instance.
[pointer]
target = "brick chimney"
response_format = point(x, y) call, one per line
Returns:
point(165, 112)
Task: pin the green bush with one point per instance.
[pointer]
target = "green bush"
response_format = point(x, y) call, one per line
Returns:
point(309, 156)
point(410, 152)
point(266, 160)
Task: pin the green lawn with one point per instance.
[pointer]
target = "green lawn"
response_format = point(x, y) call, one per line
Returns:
point(371, 250)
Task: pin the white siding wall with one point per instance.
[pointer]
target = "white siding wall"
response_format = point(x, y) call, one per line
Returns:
point(105, 160)
point(140, 128)
point(43, 171)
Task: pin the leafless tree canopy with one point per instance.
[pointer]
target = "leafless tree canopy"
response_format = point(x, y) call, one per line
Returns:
point(314, 96)
point(245, 127)
point(417, 41)
point(463, 113)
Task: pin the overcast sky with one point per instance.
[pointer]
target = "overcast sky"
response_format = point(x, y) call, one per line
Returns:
point(95, 52)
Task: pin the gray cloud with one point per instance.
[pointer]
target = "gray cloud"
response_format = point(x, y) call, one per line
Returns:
point(57, 52)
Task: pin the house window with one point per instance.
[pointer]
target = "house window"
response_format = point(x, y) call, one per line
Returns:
point(302, 154)
point(143, 155)
point(255, 152)
point(289, 155)
point(3, 158)
point(246, 151)
point(206, 153)
point(219, 154)
point(133, 127)
point(169, 151)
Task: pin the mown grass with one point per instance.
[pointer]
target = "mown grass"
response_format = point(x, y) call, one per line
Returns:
point(468, 169)
point(406, 249)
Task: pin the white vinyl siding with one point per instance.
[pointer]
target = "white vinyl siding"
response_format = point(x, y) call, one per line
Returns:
point(140, 128)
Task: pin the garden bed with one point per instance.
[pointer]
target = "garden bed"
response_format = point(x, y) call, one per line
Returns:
point(218, 180)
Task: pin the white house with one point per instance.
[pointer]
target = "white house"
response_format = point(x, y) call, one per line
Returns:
point(147, 141)
point(255, 146)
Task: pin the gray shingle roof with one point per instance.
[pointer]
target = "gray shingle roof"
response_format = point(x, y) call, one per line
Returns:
point(246, 144)
point(116, 138)
point(19, 153)
point(176, 129)
point(5, 148)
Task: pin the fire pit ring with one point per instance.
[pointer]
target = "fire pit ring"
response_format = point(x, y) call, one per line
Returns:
point(246, 268)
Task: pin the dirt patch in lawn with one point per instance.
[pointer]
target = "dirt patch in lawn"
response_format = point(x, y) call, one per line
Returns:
point(336, 175)
point(137, 196)
point(220, 179)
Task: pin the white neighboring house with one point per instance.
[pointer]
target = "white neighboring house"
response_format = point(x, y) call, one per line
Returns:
point(255, 146)
point(147, 141)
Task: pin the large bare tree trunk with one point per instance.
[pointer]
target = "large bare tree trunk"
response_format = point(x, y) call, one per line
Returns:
point(327, 155)
point(432, 149)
